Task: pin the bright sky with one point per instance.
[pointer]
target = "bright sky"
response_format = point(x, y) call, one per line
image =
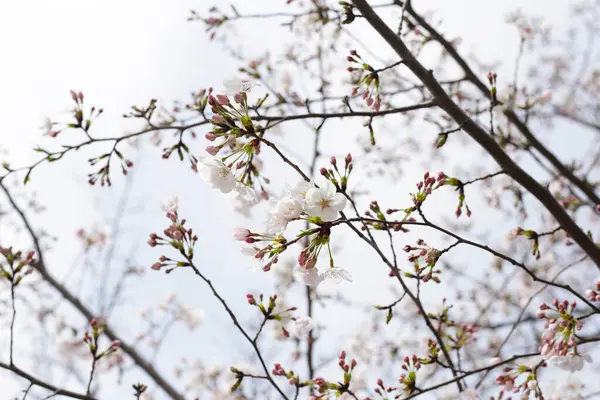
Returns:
point(121, 53)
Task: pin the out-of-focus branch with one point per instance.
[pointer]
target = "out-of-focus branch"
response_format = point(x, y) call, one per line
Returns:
point(38, 382)
point(85, 311)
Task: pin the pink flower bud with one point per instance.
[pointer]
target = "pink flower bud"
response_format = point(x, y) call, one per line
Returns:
point(212, 150)
point(222, 99)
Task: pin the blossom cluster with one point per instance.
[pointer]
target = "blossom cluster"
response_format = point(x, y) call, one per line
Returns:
point(594, 294)
point(558, 343)
point(369, 82)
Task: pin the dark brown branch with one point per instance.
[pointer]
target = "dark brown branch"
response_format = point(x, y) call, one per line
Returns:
point(37, 382)
point(479, 134)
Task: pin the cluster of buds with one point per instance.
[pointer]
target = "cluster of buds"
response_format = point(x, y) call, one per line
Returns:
point(594, 294)
point(212, 22)
point(430, 255)
point(369, 81)
point(95, 237)
point(307, 259)
point(375, 211)
point(325, 389)
point(17, 265)
point(510, 376)
point(293, 378)
point(268, 309)
point(335, 176)
point(267, 254)
point(560, 325)
point(424, 189)
point(81, 120)
point(177, 236)
point(98, 326)
point(408, 379)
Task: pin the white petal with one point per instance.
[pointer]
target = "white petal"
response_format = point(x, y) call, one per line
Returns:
point(337, 202)
point(328, 214)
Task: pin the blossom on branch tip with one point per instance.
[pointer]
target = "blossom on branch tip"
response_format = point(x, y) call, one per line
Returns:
point(324, 202)
point(309, 277)
point(216, 174)
point(336, 275)
point(234, 86)
point(171, 204)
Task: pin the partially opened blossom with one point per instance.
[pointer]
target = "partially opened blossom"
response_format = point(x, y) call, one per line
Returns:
point(170, 205)
point(324, 202)
point(216, 174)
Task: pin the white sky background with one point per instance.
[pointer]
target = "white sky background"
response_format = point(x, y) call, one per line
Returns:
point(121, 53)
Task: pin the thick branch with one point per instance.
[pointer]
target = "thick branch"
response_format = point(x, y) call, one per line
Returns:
point(479, 134)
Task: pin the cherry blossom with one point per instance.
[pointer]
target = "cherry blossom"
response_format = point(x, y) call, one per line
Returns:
point(310, 276)
point(245, 194)
point(171, 204)
point(572, 362)
point(468, 394)
point(325, 202)
point(303, 325)
point(234, 86)
point(336, 275)
point(216, 174)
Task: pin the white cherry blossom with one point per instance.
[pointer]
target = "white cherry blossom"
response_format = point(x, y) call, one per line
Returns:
point(237, 85)
point(302, 326)
point(324, 202)
point(570, 362)
point(276, 223)
point(170, 205)
point(310, 277)
point(298, 191)
point(216, 174)
point(245, 194)
point(46, 126)
point(336, 275)
point(288, 207)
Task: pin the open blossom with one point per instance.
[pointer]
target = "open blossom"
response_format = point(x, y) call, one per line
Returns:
point(215, 173)
point(288, 207)
point(310, 276)
point(234, 86)
point(170, 205)
point(336, 275)
point(245, 194)
point(47, 126)
point(324, 202)
point(303, 326)
point(571, 362)
point(276, 223)
point(300, 189)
